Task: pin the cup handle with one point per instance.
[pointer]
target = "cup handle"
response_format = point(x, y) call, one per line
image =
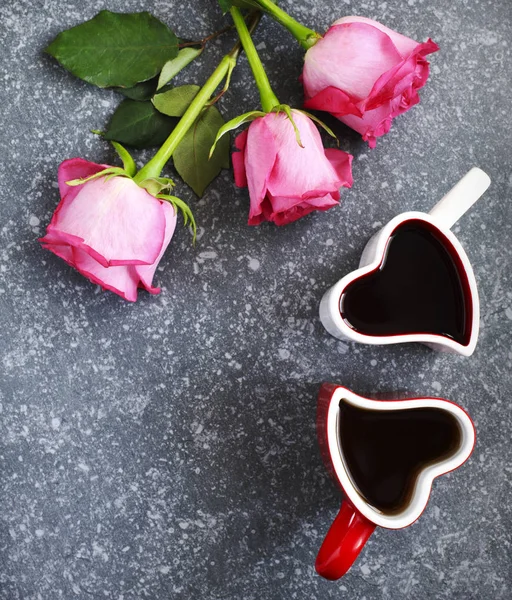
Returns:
point(461, 197)
point(343, 543)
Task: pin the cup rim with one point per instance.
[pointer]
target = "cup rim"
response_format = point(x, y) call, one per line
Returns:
point(423, 485)
point(377, 256)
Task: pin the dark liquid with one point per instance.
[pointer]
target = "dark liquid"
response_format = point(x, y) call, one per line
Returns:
point(384, 451)
point(420, 287)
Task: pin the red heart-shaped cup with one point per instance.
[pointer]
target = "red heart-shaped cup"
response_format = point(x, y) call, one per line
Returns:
point(384, 456)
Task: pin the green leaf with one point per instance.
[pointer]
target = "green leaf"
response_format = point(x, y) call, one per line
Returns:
point(139, 124)
point(234, 123)
point(225, 5)
point(115, 49)
point(174, 66)
point(191, 156)
point(175, 101)
point(140, 92)
point(128, 163)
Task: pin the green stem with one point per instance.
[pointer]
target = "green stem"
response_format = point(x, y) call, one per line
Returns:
point(154, 167)
point(305, 36)
point(268, 98)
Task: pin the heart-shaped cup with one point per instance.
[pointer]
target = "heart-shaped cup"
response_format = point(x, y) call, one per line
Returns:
point(414, 282)
point(384, 456)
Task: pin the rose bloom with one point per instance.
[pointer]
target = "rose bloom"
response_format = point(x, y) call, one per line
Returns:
point(287, 181)
point(365, 74)
point(109, 229)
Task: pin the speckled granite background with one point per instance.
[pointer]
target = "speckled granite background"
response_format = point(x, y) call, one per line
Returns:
point(166, 449)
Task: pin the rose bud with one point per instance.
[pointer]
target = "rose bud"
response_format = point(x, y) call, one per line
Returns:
point(286, 180)
point(109, 229)
point(365, 74)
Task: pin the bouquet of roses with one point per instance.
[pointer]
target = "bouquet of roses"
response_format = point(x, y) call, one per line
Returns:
point(114, 223)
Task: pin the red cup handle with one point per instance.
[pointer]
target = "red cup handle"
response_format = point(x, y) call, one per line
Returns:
point(343, 542)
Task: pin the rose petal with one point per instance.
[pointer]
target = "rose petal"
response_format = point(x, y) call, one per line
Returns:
point(121, 280)
point(118, 222)
point(282, 204)
point(377, 122)
point(147, 272)
point(373, 124)
point(260, 156)
point(62, 251)
point(54, 236)
point(73, 168)
point(265, 209)
point(299, 209)
point(238, 159)
point(412, 72)
point(76, 168)
point(342, 164)
point(300, 170)
point(332, 100)
point(403, 44)
point(350, 57)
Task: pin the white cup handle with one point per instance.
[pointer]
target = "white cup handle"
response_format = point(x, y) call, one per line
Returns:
point(461, 197)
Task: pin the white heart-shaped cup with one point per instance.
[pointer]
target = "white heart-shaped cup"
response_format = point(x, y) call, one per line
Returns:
point(446, 432)
point(373, 262)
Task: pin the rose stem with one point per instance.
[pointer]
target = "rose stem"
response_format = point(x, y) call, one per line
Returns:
point(154, 167)
point(268, 98)
point(305, 36)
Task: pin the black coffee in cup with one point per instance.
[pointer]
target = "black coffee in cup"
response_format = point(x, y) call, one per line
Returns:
point(420, 287)
point(384, 451)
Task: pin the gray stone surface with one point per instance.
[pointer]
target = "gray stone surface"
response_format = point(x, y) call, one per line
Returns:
point(166, 449)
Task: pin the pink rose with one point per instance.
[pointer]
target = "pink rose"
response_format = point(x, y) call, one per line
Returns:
point(109, 229)
point(287, 181)
point(365, 74)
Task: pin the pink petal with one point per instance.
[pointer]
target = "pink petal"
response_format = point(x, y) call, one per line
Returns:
point(257, 219)
point(412, 72)
point(298, 210)
point(260, 155)
point(299, 171)
point(239, 159)
point(350, 57)
point(377, 122)
point(373, 124)
point(118, 222)
point(62, 251)
point(403, 44)
point(76, 168)
point(147, 272)
point(282, 204)
point(121, 280)
point(321, 203)
point(332, 100)
point(54, 236)
point(342, 164)
point(264, 213)
point(73, 168)
point(241, 140)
